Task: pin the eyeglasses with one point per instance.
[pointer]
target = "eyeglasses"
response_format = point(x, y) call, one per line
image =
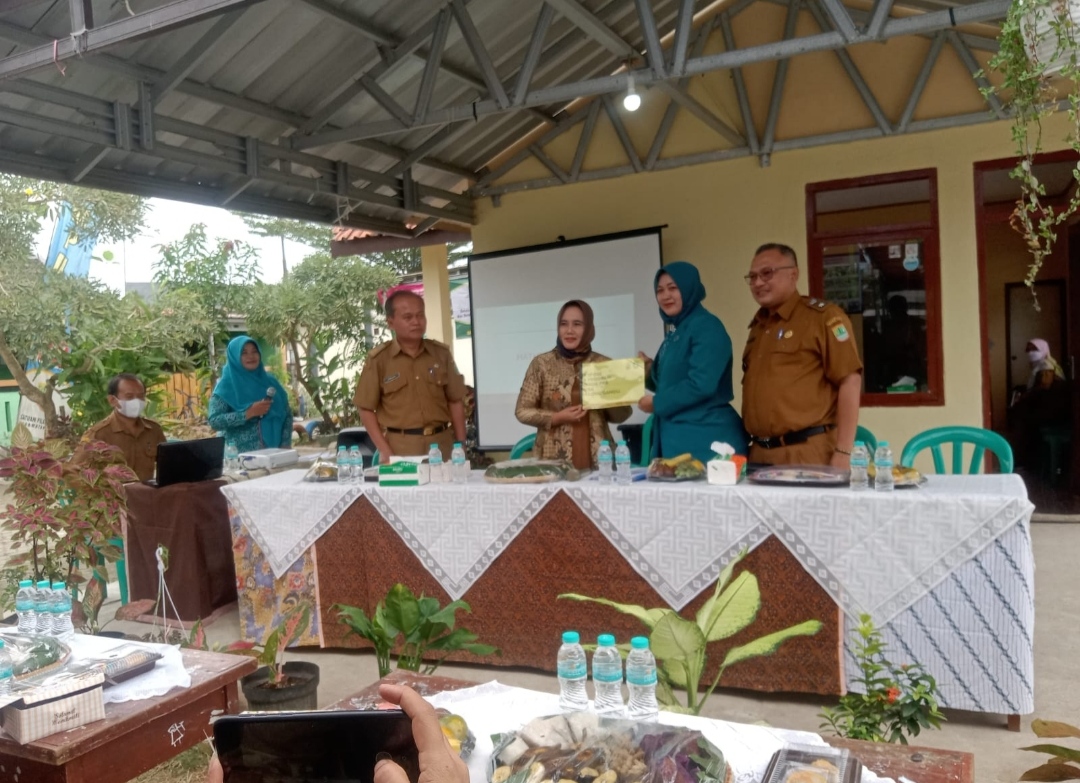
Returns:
point(765, 275)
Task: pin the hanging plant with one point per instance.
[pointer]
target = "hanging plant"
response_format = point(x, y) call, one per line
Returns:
point(1037, 59)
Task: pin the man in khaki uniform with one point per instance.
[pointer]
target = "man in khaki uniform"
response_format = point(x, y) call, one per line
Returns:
point(125, 427)
point(410, 391)
point(802, 376)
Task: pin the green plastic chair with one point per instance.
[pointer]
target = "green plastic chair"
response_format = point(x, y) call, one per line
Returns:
point(981, 439)
point(523, 446)
point(868, 438)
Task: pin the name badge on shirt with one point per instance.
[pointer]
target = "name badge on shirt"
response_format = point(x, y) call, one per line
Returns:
point(390, 378)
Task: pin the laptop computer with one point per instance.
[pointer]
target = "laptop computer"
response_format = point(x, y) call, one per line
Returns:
point(189, 460)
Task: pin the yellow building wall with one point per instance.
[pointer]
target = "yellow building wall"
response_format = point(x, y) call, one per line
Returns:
point(717, 214)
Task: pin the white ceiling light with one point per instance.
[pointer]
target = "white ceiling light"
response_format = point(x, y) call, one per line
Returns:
point(632, 101)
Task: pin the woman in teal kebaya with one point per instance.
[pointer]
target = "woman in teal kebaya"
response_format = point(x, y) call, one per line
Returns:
point(691, 375)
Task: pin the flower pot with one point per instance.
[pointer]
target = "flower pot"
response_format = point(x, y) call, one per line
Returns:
point(300, 691)
point(1041, 39)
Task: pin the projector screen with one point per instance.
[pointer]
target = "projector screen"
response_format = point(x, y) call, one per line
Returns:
point(516, 296)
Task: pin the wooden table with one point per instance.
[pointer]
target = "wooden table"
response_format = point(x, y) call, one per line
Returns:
point(926, 765)
point(136, 735)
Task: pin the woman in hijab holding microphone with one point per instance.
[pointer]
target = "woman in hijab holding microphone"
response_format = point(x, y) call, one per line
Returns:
point(691, 376)
point(550, 396)
point(249, 407)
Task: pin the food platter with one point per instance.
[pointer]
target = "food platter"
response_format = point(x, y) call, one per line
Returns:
point(800, 476)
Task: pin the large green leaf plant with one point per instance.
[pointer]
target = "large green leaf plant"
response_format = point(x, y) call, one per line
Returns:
point(680, 645)
point(412, 627)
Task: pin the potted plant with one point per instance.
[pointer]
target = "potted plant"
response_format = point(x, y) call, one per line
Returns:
point(279, 685)
point(1039, 65)
point(413, 628)
point(680, 645)
point(65, 512)
point(1063, 759)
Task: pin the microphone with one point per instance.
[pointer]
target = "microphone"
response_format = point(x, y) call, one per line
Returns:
point(270, 392)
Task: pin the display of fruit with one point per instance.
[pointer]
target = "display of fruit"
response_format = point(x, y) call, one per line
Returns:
point(457, 733)
point(681, 468)
point(581, 747)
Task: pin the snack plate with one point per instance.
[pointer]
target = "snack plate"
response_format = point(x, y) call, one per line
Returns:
point(675, 478)
point(801, 476)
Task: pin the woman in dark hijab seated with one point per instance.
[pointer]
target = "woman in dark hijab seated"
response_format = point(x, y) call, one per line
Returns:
point(550, 396)
point(691, 376)
point(242, 408)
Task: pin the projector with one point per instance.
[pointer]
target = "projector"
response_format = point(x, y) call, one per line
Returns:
point(268, 458)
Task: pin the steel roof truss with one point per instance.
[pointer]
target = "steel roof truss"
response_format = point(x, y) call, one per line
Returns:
point(385, 99)
point(695, 107)
point(779, 77)
point(740, 86)
point(431, 67)
point(585, 139)
point(878, 17)
point(620, 131)
point(552, 166)
point(653, 51)
point(479, 53)
point(841, 20)
point(532, 53)
point(190, 59)
point(920, 82)
point(682, 37)
point(594, 27)
point(976, 74)
point(853, 73)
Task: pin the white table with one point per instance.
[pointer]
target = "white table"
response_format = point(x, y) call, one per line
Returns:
point(945, 570)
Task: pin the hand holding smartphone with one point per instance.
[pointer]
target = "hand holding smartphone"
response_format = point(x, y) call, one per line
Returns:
point(341, 746)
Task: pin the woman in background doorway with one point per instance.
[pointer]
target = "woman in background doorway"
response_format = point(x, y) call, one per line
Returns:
point(1042, 403)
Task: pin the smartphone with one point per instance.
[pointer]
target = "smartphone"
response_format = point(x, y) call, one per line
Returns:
point(313, 746)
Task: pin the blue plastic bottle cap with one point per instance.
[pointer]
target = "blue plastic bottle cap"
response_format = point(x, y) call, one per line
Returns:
point(859, 443)
point(881, 443)
point(26, 583)
point(570, 637)
point(605, 640)
point(640, 643)
point(604, 443)
point(622, 442)
point(457, 445)
point(1, 644)
point(43, 583)
point(58, 585)
point(434, 445)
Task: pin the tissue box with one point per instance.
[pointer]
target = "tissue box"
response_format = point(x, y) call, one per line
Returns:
point(41, 712)
point(725, 471)
point(405, 472)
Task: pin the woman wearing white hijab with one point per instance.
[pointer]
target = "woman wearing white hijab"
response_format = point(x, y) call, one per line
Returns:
point(1042, 404)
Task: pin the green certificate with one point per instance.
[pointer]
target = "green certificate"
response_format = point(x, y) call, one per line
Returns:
point(612, 383)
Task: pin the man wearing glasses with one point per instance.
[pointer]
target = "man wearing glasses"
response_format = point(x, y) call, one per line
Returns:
point(802, 375)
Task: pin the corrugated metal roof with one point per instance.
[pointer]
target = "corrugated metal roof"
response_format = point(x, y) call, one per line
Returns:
point(220, 110)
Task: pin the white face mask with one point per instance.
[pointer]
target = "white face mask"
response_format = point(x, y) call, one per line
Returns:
point(133, 409)
point(1034, 356)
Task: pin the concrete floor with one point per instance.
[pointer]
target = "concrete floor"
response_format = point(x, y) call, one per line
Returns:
point(997, 755)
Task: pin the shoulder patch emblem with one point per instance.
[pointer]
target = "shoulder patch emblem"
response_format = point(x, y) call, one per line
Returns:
point(840, 332)
point(834, 321)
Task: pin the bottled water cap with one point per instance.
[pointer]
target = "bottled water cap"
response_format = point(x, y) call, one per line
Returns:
point(605, 640)
point(859, 443)
point(640, 643)
point(882, 443)
point(457, 445)
point(59, 586)
point(26, 583)
point(621, 443)
point(434, 445)
point(604, 443)
point(1, 644)
point(570, 637)
point(44, 583)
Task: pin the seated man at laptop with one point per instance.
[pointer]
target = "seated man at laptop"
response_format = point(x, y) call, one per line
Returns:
point(125, 428)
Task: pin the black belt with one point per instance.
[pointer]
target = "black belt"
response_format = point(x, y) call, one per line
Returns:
point(791, 438)
point(434, 429)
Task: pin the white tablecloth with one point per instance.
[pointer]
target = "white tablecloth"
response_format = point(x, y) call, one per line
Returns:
point(945, 569)
point(487, 709)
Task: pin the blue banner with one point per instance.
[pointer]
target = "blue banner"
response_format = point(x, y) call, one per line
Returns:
point(67, 253)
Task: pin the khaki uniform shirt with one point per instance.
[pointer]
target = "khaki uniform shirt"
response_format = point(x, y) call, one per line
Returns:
point(792, 364)
point(411, 392)
point(140, 448)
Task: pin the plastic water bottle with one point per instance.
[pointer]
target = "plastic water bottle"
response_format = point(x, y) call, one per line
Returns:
point(25, 606)
point(356, 464)
point(603, 461)
point(883, 462)
point(860, 461)
point(622, 464)
point(6, 672)
point(43, 607)
point(62, 625)
point(344, 466)
point(641, 680)
point(607, 677)
point(572, 674)
point(459, 470)
point(232, 458)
